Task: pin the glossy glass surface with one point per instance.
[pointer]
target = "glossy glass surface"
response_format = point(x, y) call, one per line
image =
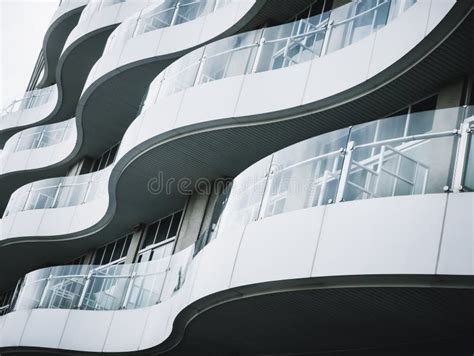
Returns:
point(277, 47)
point(31, 99)
point(94, 6)
point(165, 13)
point(469, 171)
point(40, 136)
point(403, 155)
point(59, 192)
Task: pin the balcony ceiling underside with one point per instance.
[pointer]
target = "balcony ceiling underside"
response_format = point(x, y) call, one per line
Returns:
point(54, 41)
point(357, 315)
point(229, 150)
point(329, 314)
point(130, 83)
point(72, 70)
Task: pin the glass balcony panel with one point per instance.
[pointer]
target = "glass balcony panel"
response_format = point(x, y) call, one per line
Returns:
point(32, 289)
point(398, 7)
point(192, 9)
point(64, 287)
point(177, 273)
point(469, 176)
point(106, 3)
point(29, 140)
point(156, 18)
point(356, 20)
point(389, 161)
point(18, 200)
point(42, 194)
point(181, 75)
point(121, 34)
point(292, 43)
point(246, 196)
point(98, 185)
point(72, 191)
point(231, 57)
point(107, 287)
point(147, 284)
point(306, 174)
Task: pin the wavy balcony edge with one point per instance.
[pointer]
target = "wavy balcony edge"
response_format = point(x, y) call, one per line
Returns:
point(64, 20)
point(193, 294)
point(40, 111)
point(73, 66)
point(111, 208)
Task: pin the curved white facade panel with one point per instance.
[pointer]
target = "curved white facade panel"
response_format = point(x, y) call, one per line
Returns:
point(61, 18)
point(299, 244)
point(302, 168)
point(38, 147)
point(32, 108)
point(306, 84)
point(125, 47)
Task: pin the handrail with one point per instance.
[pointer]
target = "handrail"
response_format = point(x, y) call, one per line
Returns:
point(327, 183)
point(318, 47)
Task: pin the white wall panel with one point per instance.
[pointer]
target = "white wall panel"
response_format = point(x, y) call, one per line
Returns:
point(381, 236)
point(399, 36)
point(263, 92)
point(45, 327)
point(86, 330)
point(457, 247)
point(126, 330)
point(13, 327)
point(278, 247)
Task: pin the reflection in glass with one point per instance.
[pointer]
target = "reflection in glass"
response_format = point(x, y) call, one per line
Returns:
point(276, 47)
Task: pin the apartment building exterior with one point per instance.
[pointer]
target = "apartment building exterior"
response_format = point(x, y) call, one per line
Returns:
point(242, 177)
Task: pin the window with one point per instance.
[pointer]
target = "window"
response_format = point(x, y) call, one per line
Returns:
point(114, 252)
point(105, 159)
point(159, 237)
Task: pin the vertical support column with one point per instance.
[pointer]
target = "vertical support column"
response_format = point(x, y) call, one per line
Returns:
point(192, 220)
point(346, 168)
point(134, 244)
point(260, 44)
point(85, 288)
point(199, 71)
point(327, 38)
point(45, 291)
point(461, 156)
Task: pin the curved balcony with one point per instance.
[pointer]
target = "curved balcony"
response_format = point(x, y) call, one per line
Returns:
point(35, 153)
point(405, 155)
point(81, 50)
point(150, 146)
point(27, 111)
point(13, 119)
point(308, 207)
point(144, 44)
point(64, 20)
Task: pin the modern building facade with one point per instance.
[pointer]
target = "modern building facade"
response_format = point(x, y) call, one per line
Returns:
point(242, 177)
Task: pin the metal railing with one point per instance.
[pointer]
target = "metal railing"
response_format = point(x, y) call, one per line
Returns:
point(40, 136)
point(110, 287)
point(275, 47)
point(418, 153)
point(31, 99)
point(59, 192)
point(167, 14)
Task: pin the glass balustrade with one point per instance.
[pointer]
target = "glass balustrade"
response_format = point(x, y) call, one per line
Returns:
point(94, 6)
point(90, 287)
point(416, 153)
point(40, 136)
point(165, 14)
point(59, 192)
point(276, 47)
point(31, 99)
